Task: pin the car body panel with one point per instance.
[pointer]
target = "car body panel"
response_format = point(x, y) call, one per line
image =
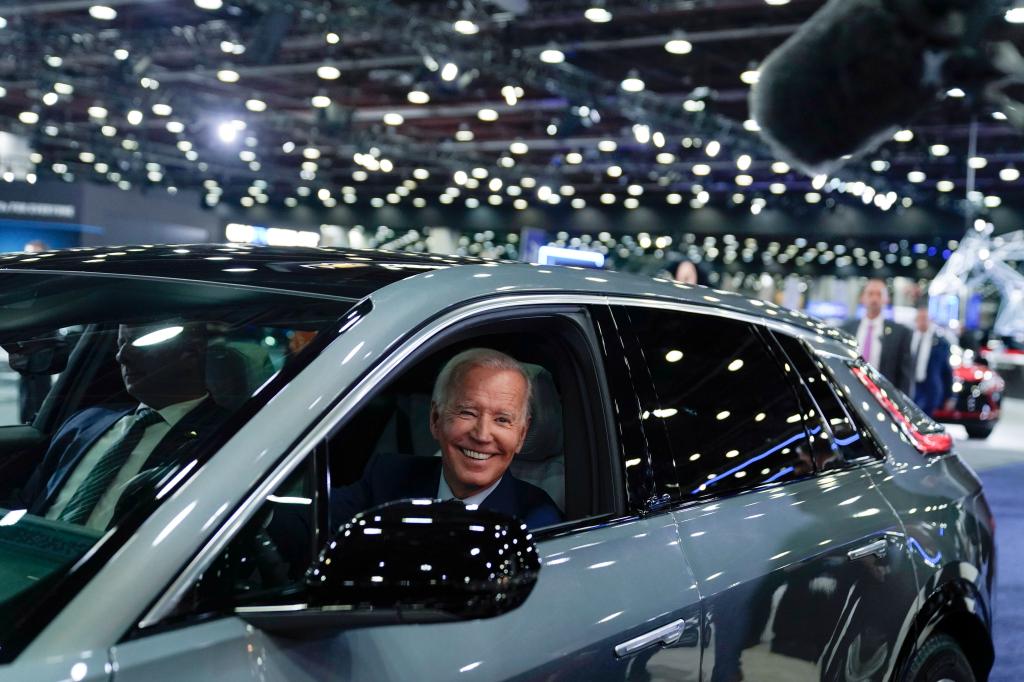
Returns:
point(570, 624)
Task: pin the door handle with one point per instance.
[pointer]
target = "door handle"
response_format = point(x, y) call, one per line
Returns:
point(877, 548)
point(666, 635)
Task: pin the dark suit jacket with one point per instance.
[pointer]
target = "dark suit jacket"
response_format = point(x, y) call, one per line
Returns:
point(895, 362)
point(75, 436)
point(396, 477)
point(937, 386)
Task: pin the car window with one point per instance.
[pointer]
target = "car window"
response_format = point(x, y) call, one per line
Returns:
point(386, 450)
point(843, 440)
point(28, 370)
point(721, 413)
point(152, 375)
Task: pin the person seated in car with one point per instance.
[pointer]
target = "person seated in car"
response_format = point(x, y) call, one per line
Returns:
point(479, 415)
point(102, 450)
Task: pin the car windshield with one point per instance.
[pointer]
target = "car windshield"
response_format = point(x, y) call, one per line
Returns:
point(108, 387)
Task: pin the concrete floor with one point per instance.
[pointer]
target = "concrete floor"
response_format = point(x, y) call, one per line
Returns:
point(1004, 446)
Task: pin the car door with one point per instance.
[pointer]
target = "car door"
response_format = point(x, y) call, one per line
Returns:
point(790, 542)
point(614, 597)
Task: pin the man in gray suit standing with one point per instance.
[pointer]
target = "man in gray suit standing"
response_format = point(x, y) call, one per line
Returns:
point(883, 343)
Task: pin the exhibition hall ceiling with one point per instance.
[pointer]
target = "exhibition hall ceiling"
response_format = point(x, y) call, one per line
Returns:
point(513, 103)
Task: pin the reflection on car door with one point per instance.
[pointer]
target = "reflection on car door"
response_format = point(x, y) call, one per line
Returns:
point(797, 556)
point(614, 600)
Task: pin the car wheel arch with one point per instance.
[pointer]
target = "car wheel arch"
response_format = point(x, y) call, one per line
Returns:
point(952, 608)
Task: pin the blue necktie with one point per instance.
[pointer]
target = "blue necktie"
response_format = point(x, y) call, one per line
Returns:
point(85, 499)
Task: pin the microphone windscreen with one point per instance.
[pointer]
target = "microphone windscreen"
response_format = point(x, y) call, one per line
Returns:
point(842, 83)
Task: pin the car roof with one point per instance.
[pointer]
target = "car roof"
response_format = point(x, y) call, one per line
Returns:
point(357, 273)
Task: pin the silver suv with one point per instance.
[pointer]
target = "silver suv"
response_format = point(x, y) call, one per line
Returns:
point(740, 496)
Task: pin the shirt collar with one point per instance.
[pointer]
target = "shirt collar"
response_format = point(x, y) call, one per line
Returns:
point(445, 493)
point(172, 414)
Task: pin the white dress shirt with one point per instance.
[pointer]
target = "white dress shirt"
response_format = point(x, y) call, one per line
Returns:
point(924, 353)
point(104, 510)
point(876, 341)
point(445, 493)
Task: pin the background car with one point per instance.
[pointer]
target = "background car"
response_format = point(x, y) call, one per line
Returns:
point(978, 393)
point(740, 493)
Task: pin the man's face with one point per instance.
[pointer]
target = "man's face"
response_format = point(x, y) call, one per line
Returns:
point(874, 298)
point(922, 320)
point(481, 429)
point(155, 371)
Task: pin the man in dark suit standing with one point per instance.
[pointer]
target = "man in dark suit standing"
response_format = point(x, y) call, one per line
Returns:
point(933, 377)
point(104, 450)
point(479, 415)
point(884, 344)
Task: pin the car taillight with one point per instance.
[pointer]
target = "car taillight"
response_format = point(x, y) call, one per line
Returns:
point(926, 443)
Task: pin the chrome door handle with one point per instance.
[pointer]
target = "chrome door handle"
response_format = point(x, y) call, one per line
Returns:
point(666, 634)
point(877, 548)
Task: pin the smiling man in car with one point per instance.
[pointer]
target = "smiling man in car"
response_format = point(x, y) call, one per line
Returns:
point(479, 415)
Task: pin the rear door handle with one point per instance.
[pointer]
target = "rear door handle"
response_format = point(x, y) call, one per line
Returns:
point(877, 548)
point(666, 635)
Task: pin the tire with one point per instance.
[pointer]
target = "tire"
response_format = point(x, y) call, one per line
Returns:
point(979, 432)
point(939, 660)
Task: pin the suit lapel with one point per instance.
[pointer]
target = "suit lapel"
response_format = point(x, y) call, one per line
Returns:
point(202, 419)
point(80, 444)
point(503, 498)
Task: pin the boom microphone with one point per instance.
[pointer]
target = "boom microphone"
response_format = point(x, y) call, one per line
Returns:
point(857, 70)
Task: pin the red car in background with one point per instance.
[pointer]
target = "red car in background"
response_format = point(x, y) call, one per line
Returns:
point(978, 394)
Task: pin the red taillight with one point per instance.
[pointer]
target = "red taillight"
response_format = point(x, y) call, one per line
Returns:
point(926, 443)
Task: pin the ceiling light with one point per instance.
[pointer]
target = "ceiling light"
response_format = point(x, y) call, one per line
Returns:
point(50, 98)
point(1009, 174)
point(518, 148)
point(227, 132)
point(311, 153)
point(750, 77)
point(552, 56)
point(607, 145)
point(28, 117)
point(320, 101)
point(744, 180)
point(328, 72)
point(776, 3)
point(87, 157)
point(161, 109)
point(1015, 15)
point(632, 84)
point(121, 54)
point(175, 127)
point(955, 92)
point(977, 162)
point(812, 197)
point(449, 72)
point(209, 4)
point(916, 176)
point(750, 125)
point(63, 88)
point(464, 135)
point(607, 198)
point(466, 27)
point(945, 186)
point(574, 158)
point(97, 112)
point(780, 167)
point(393, 118)
point(679, 46)
point(134, 117)
point(903, 135)
point(665, 158)
point(701, 169)
point(614, 171)
point(598, 15)
point(487, 115)
point(939, 150)
point(418, 97)
point(712, 148)
point(993, 201)
point(102, 12)
point(227, 76)
point(255, 105)
point(743, 162)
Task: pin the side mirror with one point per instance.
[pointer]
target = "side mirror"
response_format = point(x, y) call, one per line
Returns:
point(414, 561)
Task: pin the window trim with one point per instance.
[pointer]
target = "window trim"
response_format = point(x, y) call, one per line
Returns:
point(338, 412)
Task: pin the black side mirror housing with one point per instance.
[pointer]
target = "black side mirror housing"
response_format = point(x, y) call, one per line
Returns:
point(412, 561)
point(41, 355)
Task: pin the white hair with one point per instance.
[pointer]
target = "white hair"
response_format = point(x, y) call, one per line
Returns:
point(458, 366)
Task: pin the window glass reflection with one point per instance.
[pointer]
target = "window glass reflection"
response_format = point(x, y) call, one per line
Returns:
point(728, 413)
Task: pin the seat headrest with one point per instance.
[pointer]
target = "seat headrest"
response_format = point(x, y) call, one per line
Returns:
point(544, 437)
